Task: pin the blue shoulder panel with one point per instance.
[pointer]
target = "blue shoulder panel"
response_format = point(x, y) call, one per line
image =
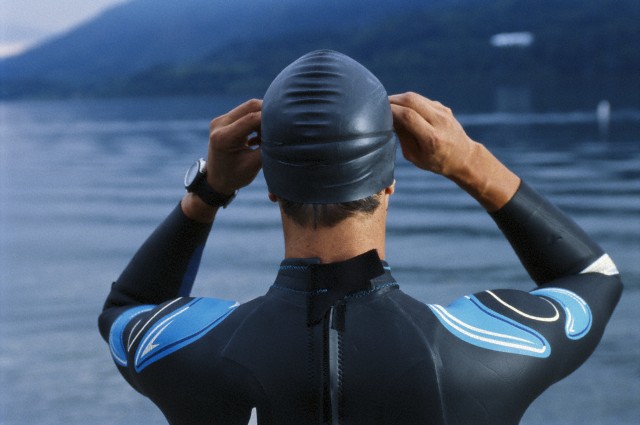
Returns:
point(471, 321)
point(181, 328)
point(116, 343)
point(578, 317)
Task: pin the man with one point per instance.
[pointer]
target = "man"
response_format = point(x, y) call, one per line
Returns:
point(334, 340)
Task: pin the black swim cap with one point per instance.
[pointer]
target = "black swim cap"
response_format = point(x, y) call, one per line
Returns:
point(327, 131)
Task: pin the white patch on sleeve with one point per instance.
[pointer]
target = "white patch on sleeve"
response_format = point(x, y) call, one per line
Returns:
point(603, 265)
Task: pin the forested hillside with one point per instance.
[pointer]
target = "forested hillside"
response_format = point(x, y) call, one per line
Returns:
point(442, 47)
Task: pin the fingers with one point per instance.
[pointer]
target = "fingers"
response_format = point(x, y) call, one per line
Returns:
point(236, 133)
point(432, 111)
point(250, 106)
point(414, 100)
point(409, 120)
point(427, 130)
point(410, 125)
point(234, 157)
point(412, 130)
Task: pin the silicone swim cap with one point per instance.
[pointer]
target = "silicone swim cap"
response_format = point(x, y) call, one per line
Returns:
point(327, 131)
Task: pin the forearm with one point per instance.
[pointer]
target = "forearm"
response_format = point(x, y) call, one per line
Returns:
point(549, 244)
point(196, 209)
point(165, 266)
point(485, 178)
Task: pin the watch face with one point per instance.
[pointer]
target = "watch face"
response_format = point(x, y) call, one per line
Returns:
point(191, 175)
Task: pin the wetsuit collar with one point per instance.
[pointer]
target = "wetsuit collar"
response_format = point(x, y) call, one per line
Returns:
point(327, 284)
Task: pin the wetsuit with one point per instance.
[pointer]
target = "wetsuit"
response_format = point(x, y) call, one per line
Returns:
point(342, 344)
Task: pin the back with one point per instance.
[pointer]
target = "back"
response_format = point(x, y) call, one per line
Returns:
point(376, 355)
point(339, 343)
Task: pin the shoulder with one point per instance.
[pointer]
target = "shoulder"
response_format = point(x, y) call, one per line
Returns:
point(145, 334)
point(516, 322)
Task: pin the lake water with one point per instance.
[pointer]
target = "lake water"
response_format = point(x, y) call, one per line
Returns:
point(82, 183)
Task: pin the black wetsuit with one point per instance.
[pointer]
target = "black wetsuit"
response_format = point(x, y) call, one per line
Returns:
point(342, 344)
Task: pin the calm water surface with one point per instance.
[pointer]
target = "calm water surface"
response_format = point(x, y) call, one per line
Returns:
point(82, 183)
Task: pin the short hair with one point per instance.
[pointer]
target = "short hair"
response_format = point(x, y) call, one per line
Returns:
point(328, 215)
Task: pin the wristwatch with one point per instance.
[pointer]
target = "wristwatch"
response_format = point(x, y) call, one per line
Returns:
point(195, 181)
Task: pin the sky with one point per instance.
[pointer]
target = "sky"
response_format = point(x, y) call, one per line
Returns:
point(24, 23)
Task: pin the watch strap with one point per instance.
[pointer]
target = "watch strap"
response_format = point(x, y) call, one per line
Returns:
point(215, 199)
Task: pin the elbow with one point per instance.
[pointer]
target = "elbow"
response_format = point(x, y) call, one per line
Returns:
point(603, 265)
point(116, 302)
point(104, 326)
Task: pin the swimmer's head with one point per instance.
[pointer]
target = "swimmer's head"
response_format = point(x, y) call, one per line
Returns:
point(327, 131)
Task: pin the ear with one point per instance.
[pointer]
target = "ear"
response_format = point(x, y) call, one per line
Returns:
point(272, 197)
point(390, 189)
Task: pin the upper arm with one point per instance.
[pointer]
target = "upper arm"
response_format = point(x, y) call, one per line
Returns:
point(143, 335)
point(560, 323)
point(501, 349)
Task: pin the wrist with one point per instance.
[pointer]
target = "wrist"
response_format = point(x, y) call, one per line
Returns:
point(196, 209)
point(197, 181)
point(219, 184)
point(486, 179)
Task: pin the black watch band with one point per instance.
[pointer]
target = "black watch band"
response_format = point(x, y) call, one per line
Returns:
point(195, 181)
point(210, 196)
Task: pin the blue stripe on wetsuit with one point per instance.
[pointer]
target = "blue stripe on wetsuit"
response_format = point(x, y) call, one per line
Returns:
point(180, 328)
point(471, 321)
point(116, 335)
point(170, 332)
point(578, 316)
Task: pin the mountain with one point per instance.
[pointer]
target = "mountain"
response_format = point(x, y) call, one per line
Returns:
point(581, 52)
point(144, 33)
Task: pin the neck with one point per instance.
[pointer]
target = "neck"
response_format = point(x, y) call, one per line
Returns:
point(349, 238)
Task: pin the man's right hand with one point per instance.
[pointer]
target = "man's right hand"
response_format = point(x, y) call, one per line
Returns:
point(432, 139)
point(234, 157)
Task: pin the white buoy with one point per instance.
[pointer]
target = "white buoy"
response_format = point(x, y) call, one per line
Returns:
point(603, 115)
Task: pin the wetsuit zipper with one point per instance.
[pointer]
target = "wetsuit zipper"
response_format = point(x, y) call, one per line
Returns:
point(334, 367)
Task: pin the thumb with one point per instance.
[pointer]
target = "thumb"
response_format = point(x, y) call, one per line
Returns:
point(251, 163)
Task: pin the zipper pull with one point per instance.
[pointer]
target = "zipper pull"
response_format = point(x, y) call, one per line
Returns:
point(338, 311)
